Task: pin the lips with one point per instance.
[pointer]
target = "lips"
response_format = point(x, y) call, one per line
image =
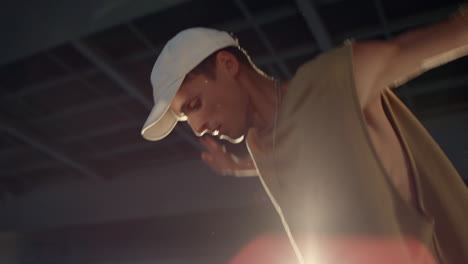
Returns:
point(216, 131)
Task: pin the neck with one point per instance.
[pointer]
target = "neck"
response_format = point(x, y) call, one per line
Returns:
point(263, 100)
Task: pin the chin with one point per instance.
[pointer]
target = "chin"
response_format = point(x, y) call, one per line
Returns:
point(234, 136)
point(233, 140)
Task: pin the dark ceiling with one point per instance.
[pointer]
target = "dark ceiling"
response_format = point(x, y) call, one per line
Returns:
point(76, 109)
point(72, 107)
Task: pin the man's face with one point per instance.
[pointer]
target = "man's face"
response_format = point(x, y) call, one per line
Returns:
point(214, 105)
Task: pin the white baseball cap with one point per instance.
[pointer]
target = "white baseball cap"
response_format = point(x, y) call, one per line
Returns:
point(180, 55)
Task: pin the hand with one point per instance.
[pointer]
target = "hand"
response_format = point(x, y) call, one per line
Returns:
point(462, 12)
point(226, 163)
point(464, 9)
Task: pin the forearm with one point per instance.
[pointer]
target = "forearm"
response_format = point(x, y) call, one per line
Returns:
point(428, 47)
point(435, 41)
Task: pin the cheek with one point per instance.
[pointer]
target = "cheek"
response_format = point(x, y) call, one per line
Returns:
point(211, 106)
point(234, 109)
point(229, 103)
point(209, 111)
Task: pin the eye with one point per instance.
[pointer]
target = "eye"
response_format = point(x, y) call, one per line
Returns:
point(192, 105)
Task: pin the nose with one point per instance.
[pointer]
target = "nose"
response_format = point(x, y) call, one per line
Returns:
point(199, 127)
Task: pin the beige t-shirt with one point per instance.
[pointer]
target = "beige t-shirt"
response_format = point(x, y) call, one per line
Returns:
point(325, 179)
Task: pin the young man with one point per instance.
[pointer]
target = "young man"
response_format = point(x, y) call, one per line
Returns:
point(339, 155)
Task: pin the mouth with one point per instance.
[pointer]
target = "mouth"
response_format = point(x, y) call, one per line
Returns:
point(217, 131)
point(221, 135)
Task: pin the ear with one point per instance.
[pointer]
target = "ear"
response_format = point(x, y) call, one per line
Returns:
point(227, 62)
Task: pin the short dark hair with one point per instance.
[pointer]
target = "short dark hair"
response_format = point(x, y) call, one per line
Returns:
point(208, 65)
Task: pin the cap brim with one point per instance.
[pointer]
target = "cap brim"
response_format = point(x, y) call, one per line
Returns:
point(161, 120)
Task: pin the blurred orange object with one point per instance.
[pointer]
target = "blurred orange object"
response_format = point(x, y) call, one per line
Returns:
point(276, 249)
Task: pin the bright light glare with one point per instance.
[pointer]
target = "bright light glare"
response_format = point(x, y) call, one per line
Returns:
point(223, 137)
point(182, 118)
point(232, 140)
point(201, 133)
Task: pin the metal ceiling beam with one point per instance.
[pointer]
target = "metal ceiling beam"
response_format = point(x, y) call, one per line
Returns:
point(65, 66)
point(141, 36)
point(367, 33)
point(414, 90)
point(236, 26)
point(130, 148)
point(107, 66)
point(150, 46)
point(291, 53)
point(263, 38)
point(89, 106)
point(40, 25)
point(383, 18)
point(28, 168)
point(395, 26)
point(37, 88)
point(263, 18)
point(363, 33)
point(100, 132)
point(433, 86)
point(315, 24)
point(298, 51)
point(22, 134)
point(402, 24)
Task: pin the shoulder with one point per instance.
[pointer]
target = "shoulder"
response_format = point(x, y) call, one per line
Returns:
point(355, 65)
point(323, 66)
point(370, 59)
point(321, 82)
point(327, 71)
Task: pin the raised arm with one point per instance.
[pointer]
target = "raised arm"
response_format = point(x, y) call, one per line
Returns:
point(382, 64)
